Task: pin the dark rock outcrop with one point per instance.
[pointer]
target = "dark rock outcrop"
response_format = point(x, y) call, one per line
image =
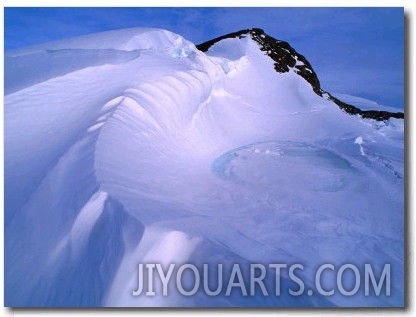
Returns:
point(285, 58)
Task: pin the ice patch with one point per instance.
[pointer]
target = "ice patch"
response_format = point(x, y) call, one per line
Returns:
point(284, 163)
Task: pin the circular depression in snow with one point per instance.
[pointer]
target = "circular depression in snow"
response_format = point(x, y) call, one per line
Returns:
point(284, 166)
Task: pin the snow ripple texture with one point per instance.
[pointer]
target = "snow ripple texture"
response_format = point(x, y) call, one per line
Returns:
point(132, 146)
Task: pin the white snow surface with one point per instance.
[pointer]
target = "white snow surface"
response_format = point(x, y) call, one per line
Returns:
point(363, 103)
point(132, 146)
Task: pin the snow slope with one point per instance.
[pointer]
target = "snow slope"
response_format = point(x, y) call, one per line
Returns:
point(132, 146)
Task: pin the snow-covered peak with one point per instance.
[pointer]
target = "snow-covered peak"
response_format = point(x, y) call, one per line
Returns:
point(284, 56)
point(133, 146)
point(286, 59)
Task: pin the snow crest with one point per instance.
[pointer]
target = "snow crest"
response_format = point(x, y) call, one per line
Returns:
point(133, 146)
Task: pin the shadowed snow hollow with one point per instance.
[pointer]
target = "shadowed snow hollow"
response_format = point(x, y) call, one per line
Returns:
point(133, 146)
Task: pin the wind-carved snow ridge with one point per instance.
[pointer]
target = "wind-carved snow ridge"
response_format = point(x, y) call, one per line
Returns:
point(133, 146)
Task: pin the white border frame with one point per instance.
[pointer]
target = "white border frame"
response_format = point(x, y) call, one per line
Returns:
point(410, 155)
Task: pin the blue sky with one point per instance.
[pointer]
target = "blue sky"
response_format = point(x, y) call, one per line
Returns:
point(357, 51)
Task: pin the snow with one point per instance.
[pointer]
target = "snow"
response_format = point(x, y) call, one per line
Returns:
point(300, 63)
point(365, 104)
point(360, 142)
point(85, 221)
point(131, 146)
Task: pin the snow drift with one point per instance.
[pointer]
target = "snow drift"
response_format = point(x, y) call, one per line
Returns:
point(133, 146)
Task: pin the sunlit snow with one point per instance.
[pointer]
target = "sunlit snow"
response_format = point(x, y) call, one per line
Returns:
point(132, 146)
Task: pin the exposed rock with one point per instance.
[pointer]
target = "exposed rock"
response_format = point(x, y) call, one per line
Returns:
point(286, 58)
